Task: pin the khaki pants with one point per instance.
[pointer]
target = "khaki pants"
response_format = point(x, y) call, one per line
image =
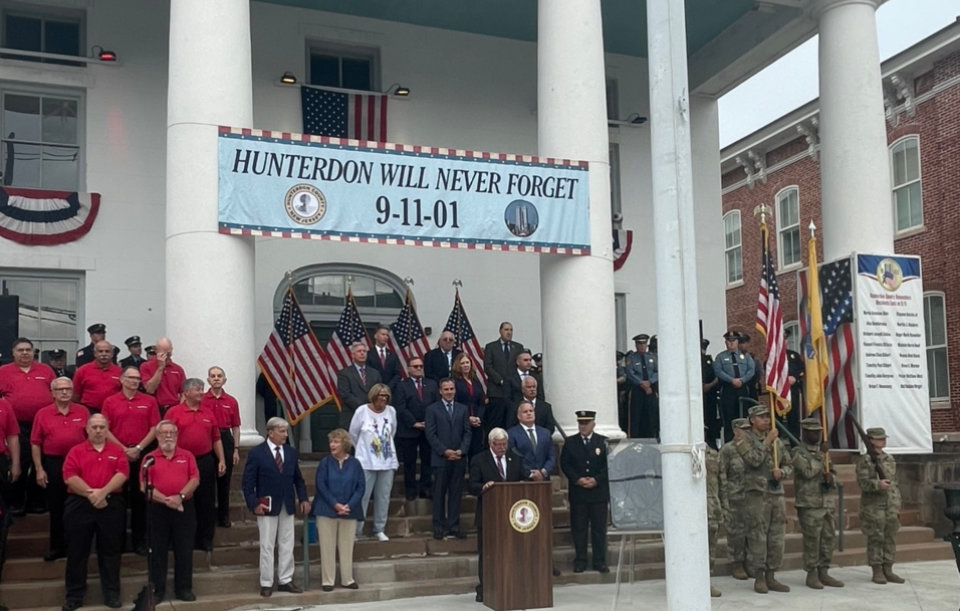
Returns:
point(334, 534)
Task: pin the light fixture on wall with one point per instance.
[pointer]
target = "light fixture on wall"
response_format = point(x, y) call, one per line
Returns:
point(288, 78)
point(398, 90)
point(103, 54)
point(636, 119)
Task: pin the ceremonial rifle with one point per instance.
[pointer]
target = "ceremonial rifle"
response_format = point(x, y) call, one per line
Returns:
point(872, 451)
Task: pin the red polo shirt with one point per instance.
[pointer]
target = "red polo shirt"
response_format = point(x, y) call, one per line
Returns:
point(92, 383)
point(8, 425)
point(170, 475)
point(130, 419)
point(56, 433)
point(94, 467)
point(171, 380)
point(225, 408)
point(197, 429)
point(27, 392)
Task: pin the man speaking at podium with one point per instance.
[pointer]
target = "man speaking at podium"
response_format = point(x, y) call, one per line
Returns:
point(486, 469)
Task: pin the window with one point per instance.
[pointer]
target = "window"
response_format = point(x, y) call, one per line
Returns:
point(935, 324)
point(732, 250)
point(49, 308)
point(40, 139)
point(907, 195)
point(46, 33)
point(788, 227)
point(792, 331)
point(613, 99)
point(616, 208)
point(620, 320)
point(344, 67)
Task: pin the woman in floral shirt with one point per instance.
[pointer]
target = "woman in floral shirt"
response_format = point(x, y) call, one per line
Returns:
point(372, 429)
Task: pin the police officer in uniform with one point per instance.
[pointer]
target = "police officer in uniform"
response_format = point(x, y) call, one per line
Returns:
point(134, 346)
point(643, 414)
point(98, 333)
point(712, 422)
point(796, 374)
point(584, 463)
point(736, 372)
point(57, 359)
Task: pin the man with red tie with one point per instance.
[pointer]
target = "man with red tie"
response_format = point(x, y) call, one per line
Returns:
point(94, 382)
point(384, 360)
point(227, 412)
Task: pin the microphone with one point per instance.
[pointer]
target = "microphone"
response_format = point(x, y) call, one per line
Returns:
point(148, 462)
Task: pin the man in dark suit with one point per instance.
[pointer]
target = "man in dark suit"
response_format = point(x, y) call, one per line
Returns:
point(354, 383)
point(543, 411)
point(523, 369)
point(271, 478)
point(448, 432)
point(584, 463)
point(499, 357)
point(486, 469)
point(384, 360)
point(412, 397)
point(437, 362)
point(534, 443)
point(796, 375)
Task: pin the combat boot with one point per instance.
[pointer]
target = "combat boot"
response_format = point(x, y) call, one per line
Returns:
point(878, 576)
point(826, 579)
point(890, 575)
point(773, 584)
point(739, 572)
point(714, 593)
point(760, 585)
point(813, 580)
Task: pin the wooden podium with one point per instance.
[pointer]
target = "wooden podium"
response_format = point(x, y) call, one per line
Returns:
point(518, 546)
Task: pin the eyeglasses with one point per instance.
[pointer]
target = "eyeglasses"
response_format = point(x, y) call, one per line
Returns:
point(166, 433)
point(63, 389)
point(131, 377)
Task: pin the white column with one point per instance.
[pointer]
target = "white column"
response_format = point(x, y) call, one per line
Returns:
point(576, 293)
point(686, 559)
point(854, 165)
point(209, 276)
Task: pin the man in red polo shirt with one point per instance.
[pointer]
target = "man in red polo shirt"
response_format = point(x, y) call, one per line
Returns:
point(227, 411)
point(133, 417)
point(163, 378)
point(200, 435)
point(173, 476)
point(9, 463)
point(56, 429)
point(94, 472)
point(94, 382)
point(25, 383)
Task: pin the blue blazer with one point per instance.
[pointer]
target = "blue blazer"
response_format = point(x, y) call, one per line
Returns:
point(444, 433)
point(262, 478)
point(545, 456)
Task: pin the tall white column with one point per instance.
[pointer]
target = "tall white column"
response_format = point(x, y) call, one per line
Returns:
point(576, 293)
point(854, 163)
point(687, 564)
point(209, 276)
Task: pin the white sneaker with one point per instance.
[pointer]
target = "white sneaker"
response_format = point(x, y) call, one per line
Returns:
point(382, 537)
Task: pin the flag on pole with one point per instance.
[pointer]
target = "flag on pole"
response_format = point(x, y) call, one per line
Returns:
point(344, 115)
point(815, 343)
point(459, 325)
point(349, 329)
point(295, 365)
point(407, 338)
point(770, 324)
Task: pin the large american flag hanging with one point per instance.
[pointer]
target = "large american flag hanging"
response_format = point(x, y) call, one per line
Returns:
point(349, 329)
point(344, 115)
point(770, 324)
point(459, 325)
point(407, 338)
point(295, 365)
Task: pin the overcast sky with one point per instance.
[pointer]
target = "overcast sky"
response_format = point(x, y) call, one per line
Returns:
point(792, 81)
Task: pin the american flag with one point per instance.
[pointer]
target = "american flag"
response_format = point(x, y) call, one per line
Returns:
point(770, 324)
point(344, 115)
point(407, 338)
point(349, 329)
point(459, 325)
point(295, 365)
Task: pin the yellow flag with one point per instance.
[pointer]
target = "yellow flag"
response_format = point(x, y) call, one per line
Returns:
point(815, 353)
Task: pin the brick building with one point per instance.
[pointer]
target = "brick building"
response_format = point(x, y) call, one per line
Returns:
point(779, 165)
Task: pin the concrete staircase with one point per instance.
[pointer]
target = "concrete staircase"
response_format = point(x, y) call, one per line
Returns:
point(411, 564)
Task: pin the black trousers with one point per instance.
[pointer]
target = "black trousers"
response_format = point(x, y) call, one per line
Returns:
point(205, 501)
point(594, 516)
point(644, 414)
point(496, 415)
point(730, 406)
point(56, 497)
point(5, 518)
point(25, 492)
point(136, 501)
point(447, 493)
point(170, 529)
point(85, 521)
point(409, 448)
point(223, 481)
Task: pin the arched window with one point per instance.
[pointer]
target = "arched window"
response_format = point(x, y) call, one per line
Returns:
point(789, 250)
point(733, 251)
point(907, 192)
point(935, 324)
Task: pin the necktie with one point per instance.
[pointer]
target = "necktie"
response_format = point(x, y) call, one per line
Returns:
point(279, 460)
point(450, 411)
point(363, 376)
point(503, 474)
point(533, 438)
point(643, 369)
point(736, 365)
point(586, 440)
point(506, 350)
point(383, 358)
point(419, 388)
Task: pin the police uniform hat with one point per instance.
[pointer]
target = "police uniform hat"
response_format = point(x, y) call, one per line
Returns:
point(744, 338)
point(704, 343)
point(133, 340)
point(811, 424)
point(150, 350)
point(642, 338)
point(758, 410)
point(731, 335)
point(585, 415)
point(98, 327)
point(740, 423)
point(620, 355)
point(876, 433)
point(57, 354)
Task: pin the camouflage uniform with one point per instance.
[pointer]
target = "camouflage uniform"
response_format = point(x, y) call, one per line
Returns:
point(816, 506)
point(879, 509)
point(714, 508)
point(764, 506)
point(731, 498)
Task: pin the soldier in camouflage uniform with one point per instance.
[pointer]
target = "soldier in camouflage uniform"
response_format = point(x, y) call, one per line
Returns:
point(879, 507)
point(815, 487)
point(764, 504)
point(731, 498)
point(714, 509)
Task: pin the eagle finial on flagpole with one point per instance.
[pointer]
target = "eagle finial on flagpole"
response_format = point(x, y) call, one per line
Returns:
point(763, 210)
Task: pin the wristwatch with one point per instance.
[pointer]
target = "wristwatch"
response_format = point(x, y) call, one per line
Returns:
point(182, 496)
point(139, 449)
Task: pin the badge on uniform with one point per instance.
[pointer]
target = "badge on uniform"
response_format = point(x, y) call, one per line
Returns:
point(597, 451)
point(742, 357)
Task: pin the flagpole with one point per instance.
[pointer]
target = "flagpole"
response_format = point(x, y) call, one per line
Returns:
point(824, 433)
point(765, 238)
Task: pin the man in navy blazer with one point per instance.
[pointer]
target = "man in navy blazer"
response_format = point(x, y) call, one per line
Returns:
point(448, 432)
point(271, 478)
point(384, 360)
point(411, 399)
point(437, 362)
point(540, 458)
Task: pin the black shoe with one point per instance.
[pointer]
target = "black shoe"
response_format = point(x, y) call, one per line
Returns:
point(411, 496)
point(204, 547)
point(19, 512)
point(113, 602)
point(37, 509)
point(425, 494)
point(158, 596)
point(352, 586)
point(479, 597)
point(459, 534)
point(54, 554)
point(556, 572)
point(140, 549)
point(290, 587)
point(187, 595)
point(602, 569)
point(327, 588)
point(438, 535)
point(224, 523)
point(70, 605)
point(266, 591)
point(579, 569)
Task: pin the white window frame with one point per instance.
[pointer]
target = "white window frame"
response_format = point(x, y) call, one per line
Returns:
point(43, 343)
point(620, 320)
point(944, 399)
point(46, 13)
point(794, 341)
point(783, 229)
point(894, 188)
point(342, 51)
point(616, 203)
point(737, 248)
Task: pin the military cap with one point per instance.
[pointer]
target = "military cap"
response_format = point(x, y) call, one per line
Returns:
point(740, 423)
point(876, 433)
point(620, 355)
point(133, 340)
point(731, 335)
point(585, 415)
point(642, 338)
point(759, 410)
point(57, 354)
point(811, 424)
point(98, 327)
point(704, 343)
point(744, 338)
